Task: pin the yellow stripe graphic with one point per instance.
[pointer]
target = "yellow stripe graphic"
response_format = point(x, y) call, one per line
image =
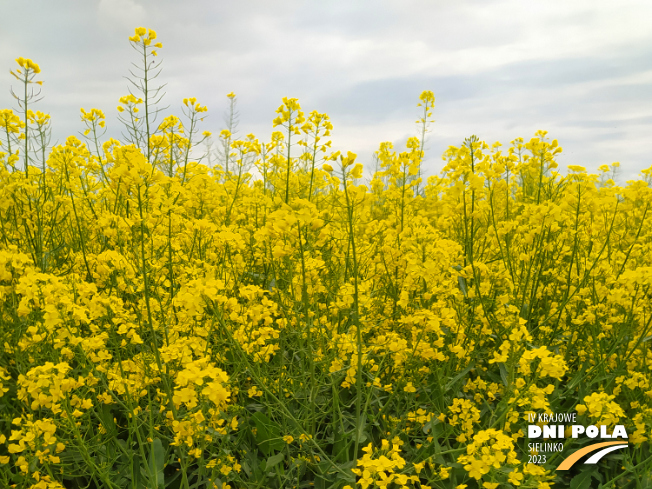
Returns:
point(574, 457)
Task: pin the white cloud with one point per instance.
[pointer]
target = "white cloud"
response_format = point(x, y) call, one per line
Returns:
point(499, 68)
point(126, 13)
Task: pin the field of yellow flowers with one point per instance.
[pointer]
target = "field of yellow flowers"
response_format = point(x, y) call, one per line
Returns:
point(272, 322)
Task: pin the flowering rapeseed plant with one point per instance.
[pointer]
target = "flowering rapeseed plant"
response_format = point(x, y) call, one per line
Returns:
point(274, 320)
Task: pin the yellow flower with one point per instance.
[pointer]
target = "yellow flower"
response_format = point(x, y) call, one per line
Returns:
point(357, 171)
point(409, 388)
point(28, 64)
point(515, 477)
point(427, 97)
point(576, 168)
point(348, 159)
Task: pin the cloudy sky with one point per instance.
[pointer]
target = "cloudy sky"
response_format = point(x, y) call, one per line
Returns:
point(580, 69)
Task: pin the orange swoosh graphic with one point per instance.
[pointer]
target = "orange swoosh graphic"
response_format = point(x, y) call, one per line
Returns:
point(574, 457)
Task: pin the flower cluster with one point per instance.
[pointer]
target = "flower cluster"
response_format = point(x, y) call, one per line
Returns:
point(266, 317)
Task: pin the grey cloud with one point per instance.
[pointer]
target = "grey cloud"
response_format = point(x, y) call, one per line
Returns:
point(500, 69)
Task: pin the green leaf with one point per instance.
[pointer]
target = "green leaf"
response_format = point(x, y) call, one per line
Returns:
point(268, 434)
point(274, 460)
point(346, 474)
point(454, 380)
point(462, 283)
point(157, 463)
point(361, 434)
point(503, 374)
point(583, 479)
point(106, 415)
point(136, 477)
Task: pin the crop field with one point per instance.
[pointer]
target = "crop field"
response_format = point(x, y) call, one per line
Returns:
point(272, 318)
